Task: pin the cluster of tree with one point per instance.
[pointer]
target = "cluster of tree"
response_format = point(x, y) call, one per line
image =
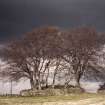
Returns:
point(65, 54)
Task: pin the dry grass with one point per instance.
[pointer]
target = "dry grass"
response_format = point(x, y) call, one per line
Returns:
point(72, 99)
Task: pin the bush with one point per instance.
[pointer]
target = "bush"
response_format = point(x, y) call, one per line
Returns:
point(50, 92)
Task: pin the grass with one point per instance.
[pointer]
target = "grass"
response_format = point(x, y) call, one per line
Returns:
point(40, 100)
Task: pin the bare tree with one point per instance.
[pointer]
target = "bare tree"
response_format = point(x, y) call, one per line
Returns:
point(70, 52)
point(31, 56)
point(80, 47)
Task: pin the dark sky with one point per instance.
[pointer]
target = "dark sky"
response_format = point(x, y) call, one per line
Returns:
point(20, 16)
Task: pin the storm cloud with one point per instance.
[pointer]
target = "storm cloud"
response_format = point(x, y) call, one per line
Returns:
point(20, 16)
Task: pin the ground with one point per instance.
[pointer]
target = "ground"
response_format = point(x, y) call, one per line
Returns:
point(72, 99)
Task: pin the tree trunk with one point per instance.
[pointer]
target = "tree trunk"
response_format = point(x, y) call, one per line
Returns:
point(78, 77)
point(39, 84)
point(53, 84)
point(55, 72)
point(38, 81)
point(32, 84)
point(78, 73)
point(47, 79)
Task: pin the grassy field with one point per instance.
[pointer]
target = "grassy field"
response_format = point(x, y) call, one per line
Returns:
point(72, 99)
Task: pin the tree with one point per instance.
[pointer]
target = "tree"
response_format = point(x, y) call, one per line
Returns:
point(49, 49)
point(80, 47)
point(31, 56)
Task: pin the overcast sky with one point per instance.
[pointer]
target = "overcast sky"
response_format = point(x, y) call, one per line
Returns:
point(20, 16)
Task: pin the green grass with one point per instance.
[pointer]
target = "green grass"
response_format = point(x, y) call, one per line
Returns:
point(36, 100)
